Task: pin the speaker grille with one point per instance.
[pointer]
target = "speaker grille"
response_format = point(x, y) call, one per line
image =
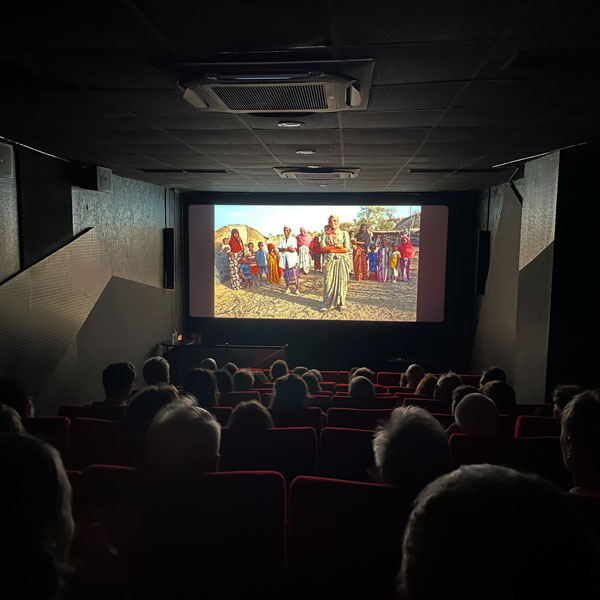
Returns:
point(302, 96)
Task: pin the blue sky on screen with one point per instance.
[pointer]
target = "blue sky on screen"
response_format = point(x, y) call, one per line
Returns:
point(269, 220)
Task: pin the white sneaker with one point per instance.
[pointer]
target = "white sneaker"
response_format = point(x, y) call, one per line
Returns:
point(287, 291)
point(296, 293)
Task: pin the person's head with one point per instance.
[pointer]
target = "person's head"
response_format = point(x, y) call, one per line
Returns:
point(208, 363)
point(503, 396)
point(235, 234)
point(362, 372)
point(394, 246)
point(411, 449)
point(414, 374)
point(36, 523)
point(312, 383)
point(445, 385)
point(117, 380)
point(225, 241)
point(351, 372)
point(10, 420)
point(427, 385)
point(278, 369)
point(492, 374)
point(363, 226)
point(250, 416)
point(290, 392)
point(317, 374)
point(231, 367)
point(562, 395)
point(351, 234)
point(580, 438)
point(260, 379)
point(147, 403)
point(287, 231)
point(486, 531)
point(477, 415)
point(14, 394)
point(243, 380)
point(299, 371)
point(224, 381)
point(361, 390)
point(184, 439)
point(460, 392)
point(271, 248)
point(156, 370)
point(302, 230)
point(250, 246)
point(202, 384)
point(261, 245)
point(333, 222)
point(372, 247)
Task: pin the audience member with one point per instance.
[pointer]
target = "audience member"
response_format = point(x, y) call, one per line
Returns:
point(562, 395)
point(311, 382)
point(184, 439)
point(362, 372)
point(413, 376)
point(291, 392)
point(117, 380)
point(446, 384)
point(351, 373)
point(477, 415)
point(411, 449)
point(10, 420)
point(37, 527)
point(14, 394)
point(502, 395)
point(156, 371)
point(580, 442)
point(260, 379)
point(362, 392)
point(299, 371)
point(490, 532)
point(460, 392)
point(278, 369)
point(427, 385)
point(202, 384)
point(231, 368)
point(250, 416)
point(224, 381)
point(210, 364)
point(243, 380)
point(492, 374)
point(147, 403)
point(317, 374)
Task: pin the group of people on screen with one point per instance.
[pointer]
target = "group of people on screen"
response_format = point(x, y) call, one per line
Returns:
point(336, 253)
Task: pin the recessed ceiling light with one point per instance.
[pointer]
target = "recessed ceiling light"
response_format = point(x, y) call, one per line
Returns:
point(305, 152)
point(313, 166)
point(322, 185)
point(290, 123)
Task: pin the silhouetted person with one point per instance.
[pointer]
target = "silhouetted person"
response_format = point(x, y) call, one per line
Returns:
point(580, 442)
point(312, 383)
point(492, 374)
point(361, 390)
point(231, 367)
point(249, 416)
point(202, 384)
point(278, 369)
point(362, 372)
point(290, 392)
point(446, 384)
point(413, 376)
point(10, 420)
point(14, 394)
point(477, 415)
point(299, 371)
point(156, 370)
point(260, 379)
point(502, 395)
point(427, 385)
point(562, 395)
point(411, 449)
point(210, 364)
point(36, 523)
point(117, 380)
point(460, 392)
point(224, 381)
point(147, 403)
point(317, 374)
point(243, 380)
point(487, 532)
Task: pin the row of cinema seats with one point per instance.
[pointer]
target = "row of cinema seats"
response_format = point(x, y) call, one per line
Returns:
point(338, 452)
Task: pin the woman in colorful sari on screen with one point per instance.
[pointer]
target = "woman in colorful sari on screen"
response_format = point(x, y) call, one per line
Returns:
point(383, 258)
point(304, 241)
point(407, 251)
point(316, 252)
point(236, 254)
point(335, 247)
point(360, 246)
point(275, 270)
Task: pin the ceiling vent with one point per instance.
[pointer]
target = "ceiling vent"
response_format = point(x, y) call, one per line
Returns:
point(316, 174)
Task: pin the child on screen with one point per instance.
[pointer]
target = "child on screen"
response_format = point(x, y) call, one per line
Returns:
point(261, 262)
point(393, 263)
point(372, 261)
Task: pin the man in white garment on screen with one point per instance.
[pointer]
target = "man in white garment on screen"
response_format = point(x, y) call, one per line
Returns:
point(288, 260)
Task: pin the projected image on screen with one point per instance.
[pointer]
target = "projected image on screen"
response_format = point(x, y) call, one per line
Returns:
point(358, 263)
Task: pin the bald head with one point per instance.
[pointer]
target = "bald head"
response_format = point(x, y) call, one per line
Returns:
point(414, 374)
point(477, 415)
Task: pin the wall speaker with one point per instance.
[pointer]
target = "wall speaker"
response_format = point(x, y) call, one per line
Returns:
point(168, 258)
point(483, 261)
point(91, 177)
point(7, 161)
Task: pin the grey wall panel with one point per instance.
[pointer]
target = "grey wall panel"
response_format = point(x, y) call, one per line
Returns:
point(129, 222)
point(9, 228)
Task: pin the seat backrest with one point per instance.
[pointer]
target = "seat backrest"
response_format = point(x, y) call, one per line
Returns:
point(346, 453)
point(468, 450)
point(304, 417)
point(530, 426)
point(328, 386)
point(222, 413)
point(232, 399)
point(470, 379)
point(445, 420)
point(341, 388)
point(433, 406)
point(538, 410)
point(343, 376)
point(54, 430)
point(398, 390)
point(357, 418)
point(378, 403)
point(92, 411)
point(329, 376)
point(388, 378)
point(344, 537)
point(290, 451)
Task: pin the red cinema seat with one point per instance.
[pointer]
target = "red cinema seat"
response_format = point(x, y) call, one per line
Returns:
point(346, 453)
point(94, 441)
point(588, 509)
point(357, 418)
point(470, 380)
point(341, 388)
point(222, 414)
point(529, 426)
point(54, 430)
point(468, 450)
point(378, 403)
point(343, 376)
point(344, 537)
point(304, 417)
point(433, 406)
point(398, 390)
point(329, 376)
point(290, 451)
point(538, 410)
point(388, 378)
point(328, 386)
point(444, 420)
point(92, 411)
point(232, 399)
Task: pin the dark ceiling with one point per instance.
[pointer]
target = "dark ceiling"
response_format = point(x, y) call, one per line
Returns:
point(96, 81)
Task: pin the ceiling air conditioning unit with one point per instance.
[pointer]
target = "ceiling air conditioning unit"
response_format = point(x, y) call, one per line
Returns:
point(319, 174)
point(282, 92)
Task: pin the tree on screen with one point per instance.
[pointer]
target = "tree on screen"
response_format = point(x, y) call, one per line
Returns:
point(346, 225)
point(378, 218)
